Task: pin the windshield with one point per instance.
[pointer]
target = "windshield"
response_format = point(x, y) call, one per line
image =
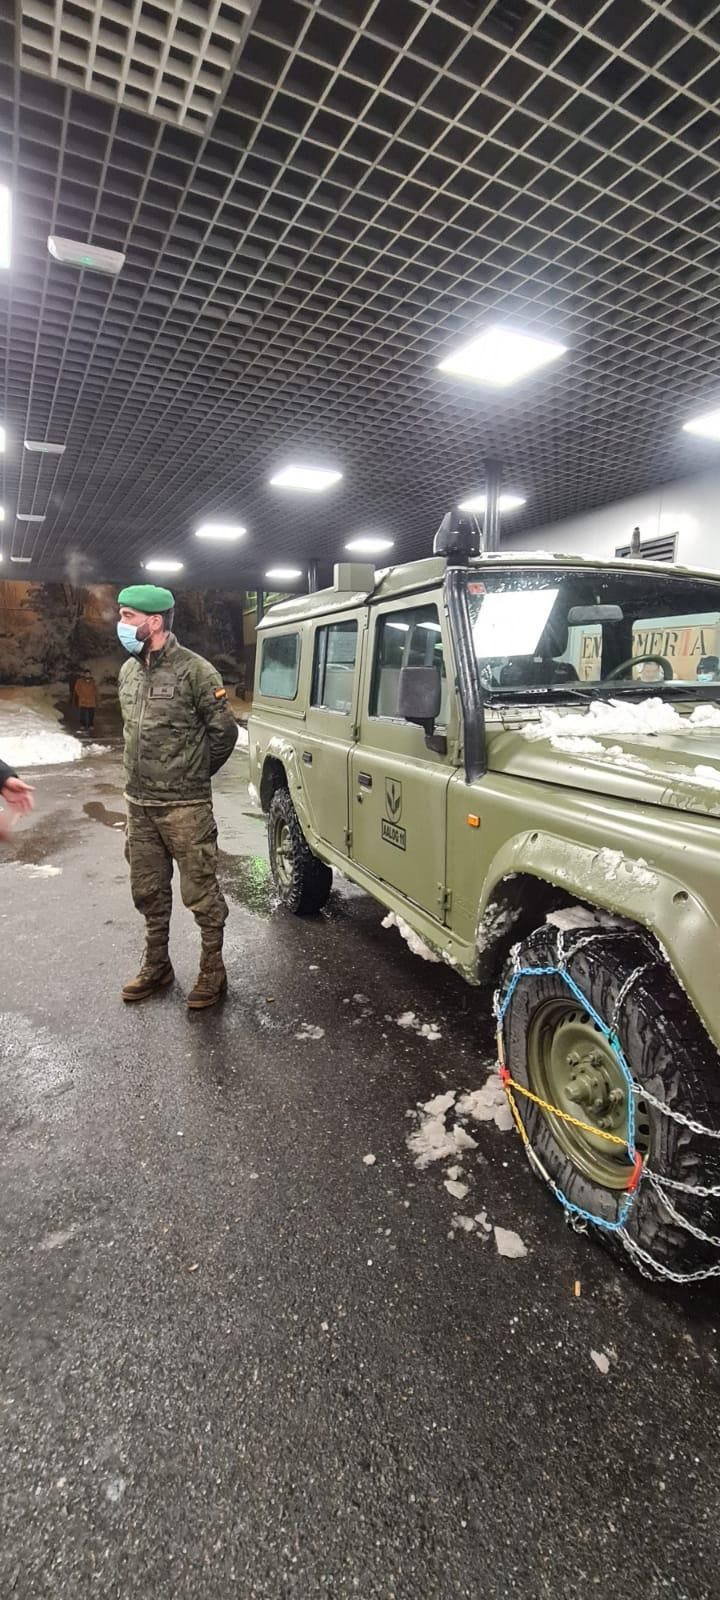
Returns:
point(547, 630)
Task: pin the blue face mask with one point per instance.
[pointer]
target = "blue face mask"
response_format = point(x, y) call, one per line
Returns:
point(128, 637)
point(706, 677)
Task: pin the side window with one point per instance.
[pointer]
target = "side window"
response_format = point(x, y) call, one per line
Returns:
point(334, 670)
point(405, 639)
point(280, 665)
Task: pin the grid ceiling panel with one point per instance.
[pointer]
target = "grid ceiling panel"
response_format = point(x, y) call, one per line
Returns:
point(378, 180)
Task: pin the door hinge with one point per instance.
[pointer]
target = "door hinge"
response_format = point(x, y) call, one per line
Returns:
point(348, 838)
point(445, 899)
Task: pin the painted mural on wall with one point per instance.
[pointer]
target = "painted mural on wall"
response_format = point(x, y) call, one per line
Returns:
point(50, 631)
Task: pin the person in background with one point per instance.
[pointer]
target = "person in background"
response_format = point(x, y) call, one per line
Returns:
point(85, 698)
point(179, 731)
point(708, 670)
point(17, 795)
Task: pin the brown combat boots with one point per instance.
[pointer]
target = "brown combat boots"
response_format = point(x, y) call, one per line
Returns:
point(211, 983)
point(155, 973)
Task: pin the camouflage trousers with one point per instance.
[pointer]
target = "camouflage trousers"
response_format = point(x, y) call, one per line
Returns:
point(159, 836)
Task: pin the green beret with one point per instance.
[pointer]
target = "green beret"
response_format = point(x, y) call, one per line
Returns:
point(148, 598)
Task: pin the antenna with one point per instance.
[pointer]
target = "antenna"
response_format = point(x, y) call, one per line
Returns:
point(458, 538)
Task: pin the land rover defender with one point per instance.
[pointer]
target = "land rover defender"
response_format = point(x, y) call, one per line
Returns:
point(520, 757)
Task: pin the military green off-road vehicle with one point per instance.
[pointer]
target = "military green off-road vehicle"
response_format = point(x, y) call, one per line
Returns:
point(520, 758)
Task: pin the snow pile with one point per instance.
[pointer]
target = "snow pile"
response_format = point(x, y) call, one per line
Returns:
point(709, 775)
point(412, 939)
point(489, 1104)
point(578, 731)
point(432, 1141)
point(33, 738)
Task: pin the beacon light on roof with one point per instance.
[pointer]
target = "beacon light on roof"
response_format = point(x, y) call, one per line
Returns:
point(77, 253)
point(707, 426)
point(500, 357)
point(310, 480)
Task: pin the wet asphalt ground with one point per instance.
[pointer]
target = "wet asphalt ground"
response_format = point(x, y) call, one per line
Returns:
point(237, 1361)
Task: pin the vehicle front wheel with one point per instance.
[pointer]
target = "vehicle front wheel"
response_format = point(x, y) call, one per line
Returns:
point(554, 1047)
point(303, 881)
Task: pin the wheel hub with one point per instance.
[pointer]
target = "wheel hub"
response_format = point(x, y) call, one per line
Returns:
point(589, 1086)
point(574, 1069)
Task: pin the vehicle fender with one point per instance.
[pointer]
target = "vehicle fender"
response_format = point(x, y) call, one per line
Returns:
point(535, 872)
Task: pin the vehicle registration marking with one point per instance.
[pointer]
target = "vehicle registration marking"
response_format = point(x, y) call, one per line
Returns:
point(393, 834)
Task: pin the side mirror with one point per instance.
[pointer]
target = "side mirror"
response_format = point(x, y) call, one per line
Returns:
point(419, 701)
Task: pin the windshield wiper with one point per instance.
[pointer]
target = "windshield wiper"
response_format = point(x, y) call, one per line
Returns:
point(528, 693)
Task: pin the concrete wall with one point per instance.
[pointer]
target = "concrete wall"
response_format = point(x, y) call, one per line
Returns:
point(689, 507)
point(48, 631)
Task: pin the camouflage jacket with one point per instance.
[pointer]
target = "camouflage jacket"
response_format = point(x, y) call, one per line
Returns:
point(178, 726)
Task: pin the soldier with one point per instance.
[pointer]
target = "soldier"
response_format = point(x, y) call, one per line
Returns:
point(179, 731)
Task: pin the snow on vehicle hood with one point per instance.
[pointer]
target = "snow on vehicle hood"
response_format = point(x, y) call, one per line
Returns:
point(644, 750)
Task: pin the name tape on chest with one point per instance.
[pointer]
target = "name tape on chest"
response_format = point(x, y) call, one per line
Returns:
point(162, 691)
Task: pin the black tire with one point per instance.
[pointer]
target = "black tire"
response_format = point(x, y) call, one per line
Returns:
point(303, 881)
point(667, 1052)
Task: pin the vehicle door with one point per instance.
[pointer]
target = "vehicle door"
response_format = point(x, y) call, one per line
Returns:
point(398, 786)
point(329, 727)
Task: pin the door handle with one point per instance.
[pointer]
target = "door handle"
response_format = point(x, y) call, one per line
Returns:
point(364, 780)
point(307, 757)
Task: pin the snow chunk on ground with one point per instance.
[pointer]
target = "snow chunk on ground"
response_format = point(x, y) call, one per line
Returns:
point(426, 1030)
point(369, 1160)
point(407, 1020)
point(44, 871)
point(481, 1219)
point(308, 1031)
point(601, 1361)
point(412, 939)
point(432, 1141)
point(440, 1104)
point(463, 1224)
point(457, 1190)
point(489, 1104)
point(453, 1172)
point(509, 1244)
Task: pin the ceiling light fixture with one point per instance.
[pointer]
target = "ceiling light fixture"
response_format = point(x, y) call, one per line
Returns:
point(2, 513)
point(5, 224)
point(501, 357)
point(312, 480)
point(369, 545)
point(284, 574)
point(158, 564)
point(40, 447)
point(22, 561)
point(2, 438)
point(707, 426)
point(478, 502)
point(77, 253)
point(26, 516)
point(225, 531)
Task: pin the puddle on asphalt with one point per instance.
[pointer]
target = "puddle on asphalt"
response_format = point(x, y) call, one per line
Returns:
point(247, 880)
point(100, 813)
point(44, 841)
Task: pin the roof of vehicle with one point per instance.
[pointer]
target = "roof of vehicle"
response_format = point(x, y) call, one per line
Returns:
point(355, 584)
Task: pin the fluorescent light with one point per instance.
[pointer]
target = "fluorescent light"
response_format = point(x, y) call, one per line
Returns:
point(159, 565)
point(369, 545)
point(25, 516)
point(22, 561)
point(2, 513)
point(40, 447)
point(500, 357)
point(2, 438)
point(5, 224)
point(220, 530)
point(707, 426)
point(78, 253)
point(311, 479)
point(284, 574)
point(478, 502)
